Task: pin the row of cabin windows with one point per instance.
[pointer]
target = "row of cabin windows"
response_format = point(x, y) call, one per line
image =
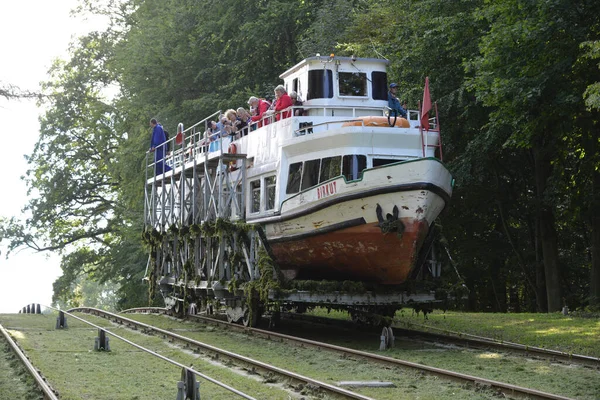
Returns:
point(270, 184)
point(320, 84)
point(303, 175)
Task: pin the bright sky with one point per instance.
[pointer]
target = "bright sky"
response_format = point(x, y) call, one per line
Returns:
point(33, 33)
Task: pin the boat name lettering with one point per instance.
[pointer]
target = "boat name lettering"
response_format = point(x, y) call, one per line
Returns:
point(326, 190)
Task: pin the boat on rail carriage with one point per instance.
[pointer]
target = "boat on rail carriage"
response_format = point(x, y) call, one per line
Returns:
point(339, 190)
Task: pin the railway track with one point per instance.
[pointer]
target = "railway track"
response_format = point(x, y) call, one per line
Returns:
point(253, 365)
point(45, 389)
point(464, 340)
point(505, 388)
point(473, 341)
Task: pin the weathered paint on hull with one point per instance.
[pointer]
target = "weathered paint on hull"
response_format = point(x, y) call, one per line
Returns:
point(361, 253)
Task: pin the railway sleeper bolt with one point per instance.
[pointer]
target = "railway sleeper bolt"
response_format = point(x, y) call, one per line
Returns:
point(101, 342)
point(61, 320)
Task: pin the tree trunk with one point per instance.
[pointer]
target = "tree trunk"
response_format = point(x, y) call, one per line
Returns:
point(548, 236)
point(595, 241)
point(540, 278)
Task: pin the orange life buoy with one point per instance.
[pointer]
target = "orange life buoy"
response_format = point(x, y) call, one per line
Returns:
point(378, 121)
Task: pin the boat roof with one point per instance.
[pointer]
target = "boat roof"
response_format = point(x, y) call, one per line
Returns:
point(329, 59)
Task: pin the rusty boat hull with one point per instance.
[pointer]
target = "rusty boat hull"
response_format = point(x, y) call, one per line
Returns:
point(369, 230)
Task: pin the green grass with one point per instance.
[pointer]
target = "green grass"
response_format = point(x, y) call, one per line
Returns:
point(573, 335)
point(67, 359)
point(553, 331)
point(322, 365)
point(15, 381)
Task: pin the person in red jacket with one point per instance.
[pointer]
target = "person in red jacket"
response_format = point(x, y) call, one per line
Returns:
point(259, 107)
point(283, 103)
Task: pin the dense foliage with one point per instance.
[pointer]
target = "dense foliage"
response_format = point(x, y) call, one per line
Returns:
point(516, 81)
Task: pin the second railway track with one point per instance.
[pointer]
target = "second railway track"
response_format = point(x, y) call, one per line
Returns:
point(467, 340)
point(508, 389)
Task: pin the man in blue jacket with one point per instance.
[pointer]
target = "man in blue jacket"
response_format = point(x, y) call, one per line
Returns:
point(394, 104)
point(158, 139)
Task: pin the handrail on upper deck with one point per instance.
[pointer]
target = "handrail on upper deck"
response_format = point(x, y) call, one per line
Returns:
point(198, 145)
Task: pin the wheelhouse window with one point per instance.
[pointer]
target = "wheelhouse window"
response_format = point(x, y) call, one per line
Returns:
point(379, 85)
point(353, 165)
point(270, 185)
point(320, 84)
point(255, 196)
point(294, 177)
point(330, 168)
point(310, 174)
point(352, 83)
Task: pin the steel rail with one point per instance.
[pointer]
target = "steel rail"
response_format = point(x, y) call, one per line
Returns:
point(501, 386)
point(463, 339)
point(480, 341)
point(249, 361)
point(39, 379)
point(208, 378)
point(151, 310)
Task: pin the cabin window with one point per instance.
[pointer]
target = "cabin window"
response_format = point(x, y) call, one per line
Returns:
point(294, 176)
point(320, 84)
point(379, 85)
point(353, 165)
point(255, 196)
point(330, 168)
point(295, 87)
point(270, 185)
point(378, 162)
point(310, 175)
point(352, 83)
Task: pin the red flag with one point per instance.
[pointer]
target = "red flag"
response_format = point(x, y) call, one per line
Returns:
point(426, 107)
point(179, 137)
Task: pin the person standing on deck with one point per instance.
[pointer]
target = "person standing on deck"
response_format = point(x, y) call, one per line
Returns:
point(282, 103)
point(396, 110)
point(260, 107)
point(158, 147)
point(297, 102)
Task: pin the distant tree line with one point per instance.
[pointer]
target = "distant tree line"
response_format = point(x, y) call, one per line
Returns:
point(517, 84)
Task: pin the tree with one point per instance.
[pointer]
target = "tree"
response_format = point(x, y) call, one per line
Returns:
point(525, 71)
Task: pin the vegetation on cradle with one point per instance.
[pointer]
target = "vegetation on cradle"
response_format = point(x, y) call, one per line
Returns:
point(516, 85)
